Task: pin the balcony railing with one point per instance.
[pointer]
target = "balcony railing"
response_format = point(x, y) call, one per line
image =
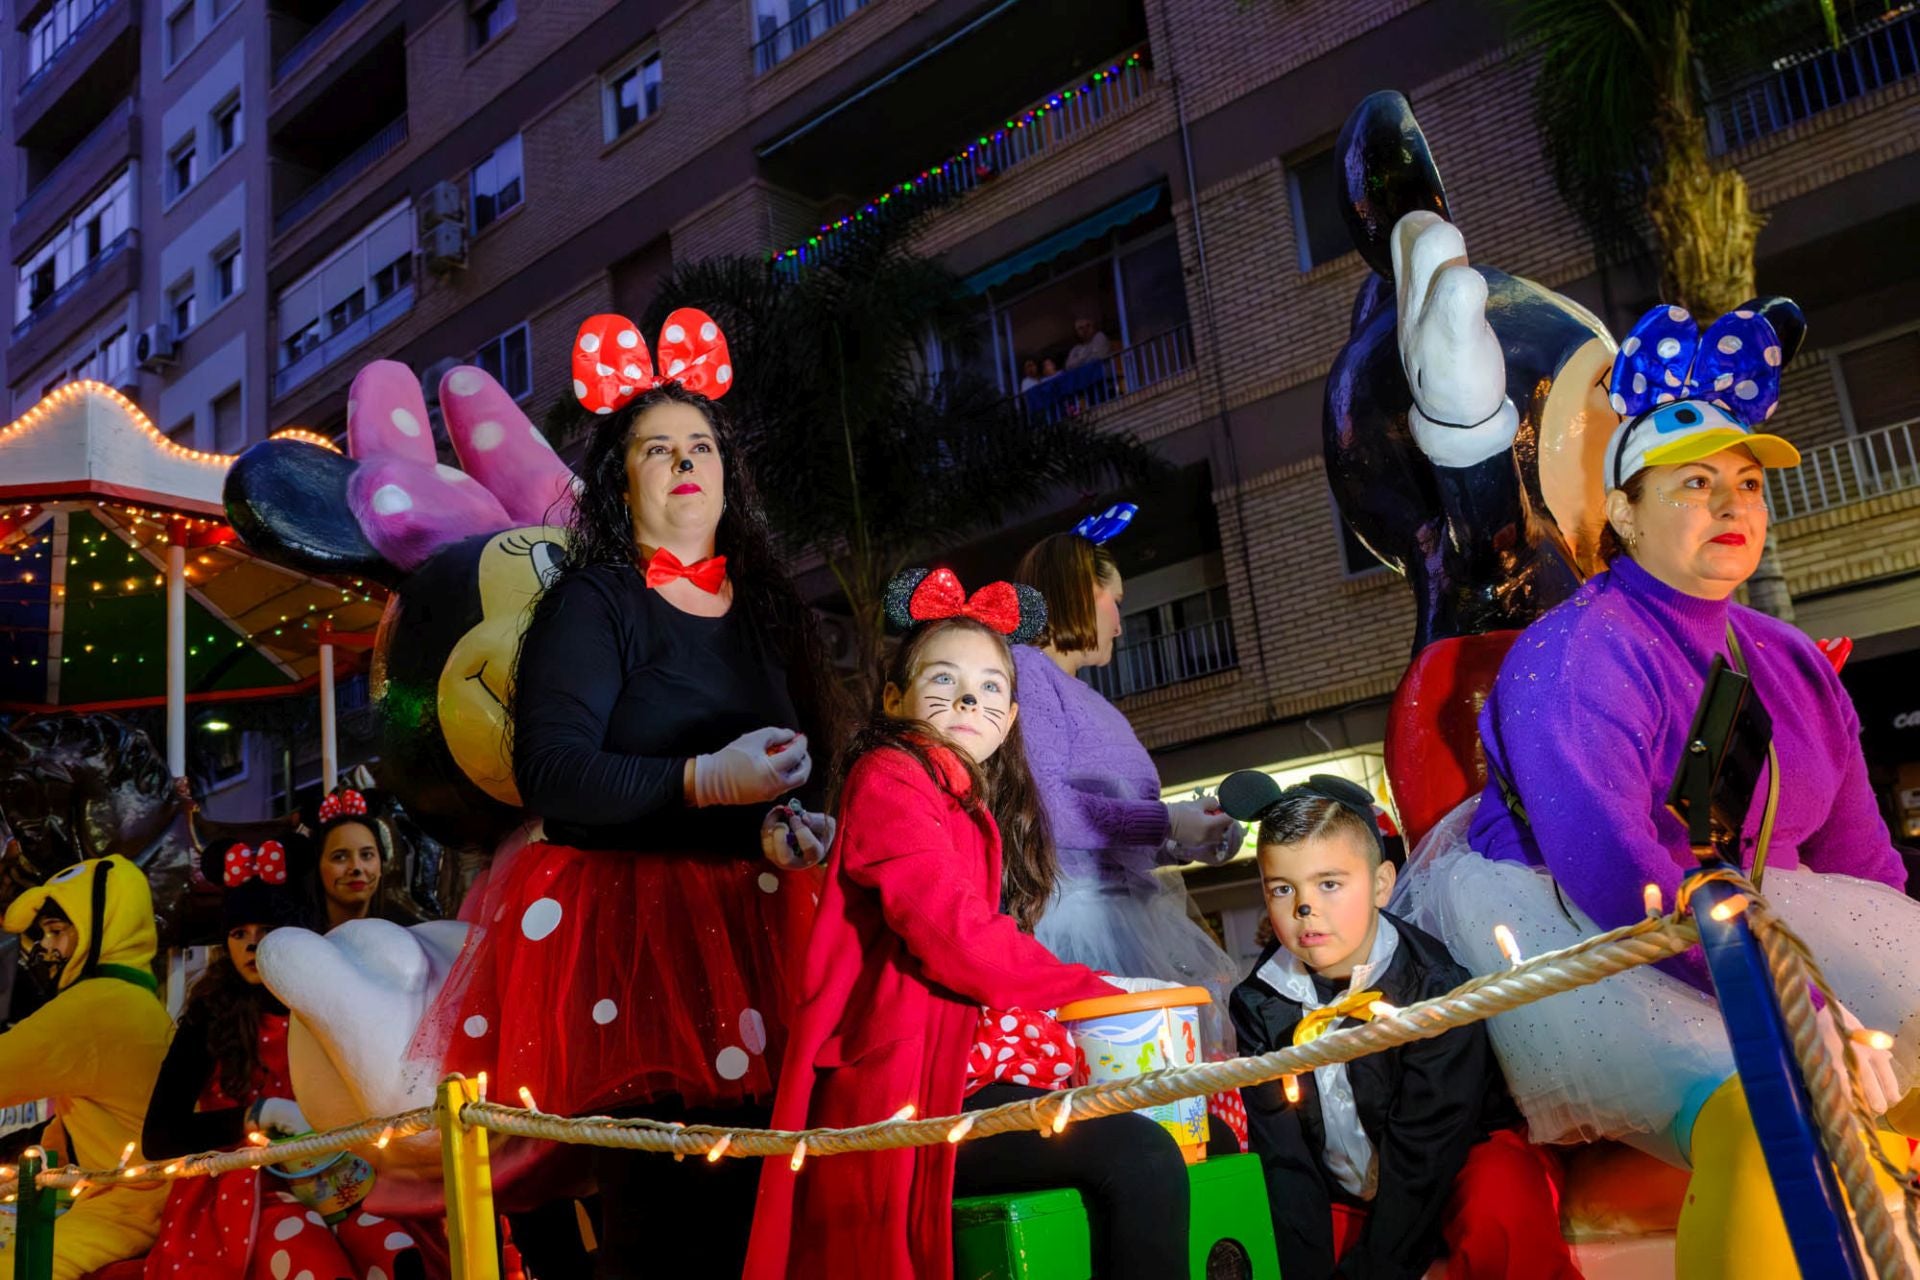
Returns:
point(302, 53)
point(342, 340)
point(782, 42)
point(389, 139)
point(1098, 382)
point(119, 123)
point(1860, 467)
point(74, 33)
point(1794, 88)
point(1159, 661)
point(108, 252)
point(1057, 119)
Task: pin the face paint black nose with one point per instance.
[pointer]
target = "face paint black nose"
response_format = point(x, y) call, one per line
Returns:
point(1303, 911)
point(685, 464)
point(968, 700)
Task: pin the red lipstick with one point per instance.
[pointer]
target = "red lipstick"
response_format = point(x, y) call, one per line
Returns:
point(688, 487)
point(1732, 539)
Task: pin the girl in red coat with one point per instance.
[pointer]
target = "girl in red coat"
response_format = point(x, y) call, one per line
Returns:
point(924, 986)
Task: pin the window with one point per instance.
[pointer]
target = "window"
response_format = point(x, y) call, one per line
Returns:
point(58, 27)
point(506, 358)
point(226, 127)
point(229, 423)
point(496, 186)
point(632, 94)
point(489, 20)
point(373, 272)
point(116, 357)
point(40, 285)
point(181, 432)
point(1313, 182)
point(180, 306)
point(180, 32)
point(181, 167)
point(96, 230)
point(1883, 381)
point(226, 272)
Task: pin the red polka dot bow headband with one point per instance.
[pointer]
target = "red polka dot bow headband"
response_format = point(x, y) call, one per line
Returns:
point(267, 864)
point(919, 596)
point(344, 803)
point(611, 365)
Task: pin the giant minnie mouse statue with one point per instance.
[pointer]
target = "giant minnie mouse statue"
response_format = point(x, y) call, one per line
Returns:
point(1465, 420)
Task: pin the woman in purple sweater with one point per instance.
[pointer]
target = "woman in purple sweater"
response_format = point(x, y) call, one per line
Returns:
point(1101, 792)
point(1583, 734)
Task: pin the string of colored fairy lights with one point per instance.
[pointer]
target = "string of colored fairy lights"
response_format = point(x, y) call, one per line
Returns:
point(966, 157)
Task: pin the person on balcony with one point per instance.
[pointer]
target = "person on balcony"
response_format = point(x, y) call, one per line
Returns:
point(1092, 343)
point(1583, 733)
point(1101, 793)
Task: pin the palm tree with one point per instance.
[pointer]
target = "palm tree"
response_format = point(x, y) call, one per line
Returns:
point(866, 458)
point(1619, 99)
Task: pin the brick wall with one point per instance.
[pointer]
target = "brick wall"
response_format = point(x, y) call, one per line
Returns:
point(1879, 538)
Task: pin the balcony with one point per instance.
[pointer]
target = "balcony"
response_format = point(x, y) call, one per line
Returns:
point(100, 154)
point(1159, 661)
point(1870, 465)
point(74, 34)
point(777, 43)
point(302, 50)
point(1803, 85)
point(95, 67)
point(1063, 116)
point(343, 340)
point(1098, 382)
point(74, 284)
point(113, 274)
point(386, 140)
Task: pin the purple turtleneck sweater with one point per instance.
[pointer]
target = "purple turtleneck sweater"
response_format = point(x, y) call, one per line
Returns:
point(1587, 721)
point(1097, 783)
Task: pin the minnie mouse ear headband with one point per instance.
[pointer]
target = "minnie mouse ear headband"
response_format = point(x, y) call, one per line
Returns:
point(343, 802)
point(1105, 526)
point(1686, 395)
point(919, 596)
point(253, 883)
point(611, 365)
point(1252, 796)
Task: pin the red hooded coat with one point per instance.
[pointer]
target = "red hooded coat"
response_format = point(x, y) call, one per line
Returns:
point(908, 944)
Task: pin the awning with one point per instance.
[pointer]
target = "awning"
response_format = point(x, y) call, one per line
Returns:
point(1089, 228)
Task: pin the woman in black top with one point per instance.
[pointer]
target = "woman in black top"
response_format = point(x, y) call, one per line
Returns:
point(670, 693)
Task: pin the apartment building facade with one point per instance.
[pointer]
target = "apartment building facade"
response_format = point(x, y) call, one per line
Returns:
point(436, 181)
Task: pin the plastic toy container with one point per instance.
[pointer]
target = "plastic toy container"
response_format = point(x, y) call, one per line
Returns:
point(1128, 1034)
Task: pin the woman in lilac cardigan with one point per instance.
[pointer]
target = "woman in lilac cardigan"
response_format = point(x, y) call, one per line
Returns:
point(1583, 734)
point(1101, 794)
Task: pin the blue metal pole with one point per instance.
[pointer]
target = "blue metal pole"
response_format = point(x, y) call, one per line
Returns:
point(1782, 1110)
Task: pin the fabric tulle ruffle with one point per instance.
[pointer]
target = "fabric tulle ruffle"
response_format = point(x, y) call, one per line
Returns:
point(597, 979)
point(1623, 1057)
point(1137, 926)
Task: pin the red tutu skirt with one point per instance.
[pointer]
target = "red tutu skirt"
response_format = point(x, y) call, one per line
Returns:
point(599, 979)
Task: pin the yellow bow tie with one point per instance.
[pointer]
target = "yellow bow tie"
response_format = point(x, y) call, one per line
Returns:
point(1317, 1022)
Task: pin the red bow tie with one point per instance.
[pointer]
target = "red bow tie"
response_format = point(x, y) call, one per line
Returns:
point(268, 864)
point(709, 575)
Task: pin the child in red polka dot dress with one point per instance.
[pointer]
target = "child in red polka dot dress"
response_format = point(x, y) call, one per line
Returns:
point(225, 1076)
point(924, 987)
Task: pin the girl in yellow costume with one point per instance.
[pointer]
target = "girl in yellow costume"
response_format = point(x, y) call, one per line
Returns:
point(94, 1048)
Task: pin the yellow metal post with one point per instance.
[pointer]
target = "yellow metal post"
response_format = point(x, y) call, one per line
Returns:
point(471, 1234)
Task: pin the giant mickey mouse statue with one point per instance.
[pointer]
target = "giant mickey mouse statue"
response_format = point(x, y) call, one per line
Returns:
point(1465, 420)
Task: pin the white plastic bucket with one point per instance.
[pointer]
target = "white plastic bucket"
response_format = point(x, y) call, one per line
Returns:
point(1130, 1034)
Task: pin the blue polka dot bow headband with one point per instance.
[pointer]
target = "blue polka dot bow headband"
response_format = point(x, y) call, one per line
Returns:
point(1735, 364)
point(1103, 527)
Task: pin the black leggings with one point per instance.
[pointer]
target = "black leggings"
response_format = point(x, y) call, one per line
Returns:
point(662, 1219)
point(1128, 1169)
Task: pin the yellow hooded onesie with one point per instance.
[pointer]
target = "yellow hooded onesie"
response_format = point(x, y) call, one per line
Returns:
point(95, 1049)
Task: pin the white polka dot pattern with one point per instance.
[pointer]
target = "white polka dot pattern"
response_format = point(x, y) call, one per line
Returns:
point(692, 351)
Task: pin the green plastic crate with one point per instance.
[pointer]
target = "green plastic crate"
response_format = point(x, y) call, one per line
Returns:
point(1042, 1235)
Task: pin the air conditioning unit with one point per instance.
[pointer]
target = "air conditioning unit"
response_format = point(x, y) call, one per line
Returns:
point(442, 203)
point(445, 246)
point(153, 349)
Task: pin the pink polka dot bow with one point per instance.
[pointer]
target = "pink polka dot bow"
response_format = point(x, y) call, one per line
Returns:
point(611, 365)
point(268, 864)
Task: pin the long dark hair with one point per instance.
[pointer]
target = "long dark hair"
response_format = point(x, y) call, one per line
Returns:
point(228, 1008)
point(601, 533)
point(1003, 786)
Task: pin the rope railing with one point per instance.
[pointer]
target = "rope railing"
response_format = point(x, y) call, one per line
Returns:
point(1840, 1109)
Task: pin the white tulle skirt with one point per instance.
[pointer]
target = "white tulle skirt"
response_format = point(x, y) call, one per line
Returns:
point(1623, 1057)
point(1136, 925)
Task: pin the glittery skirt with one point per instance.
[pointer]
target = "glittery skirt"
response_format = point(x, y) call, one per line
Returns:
point(1135, 924)
point(597, 979)
point(1623, 1057)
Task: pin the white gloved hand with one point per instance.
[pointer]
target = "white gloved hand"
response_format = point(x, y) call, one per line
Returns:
point(752, 769)
point(1198, 825)
point(1222, 851)
point(1141, 984)
point(279, 1115)
point(1453, 361)
point(793, 838)
point(1876, 1065)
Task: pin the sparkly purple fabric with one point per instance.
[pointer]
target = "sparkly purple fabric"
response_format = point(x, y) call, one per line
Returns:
point(1097, 783)
point(1588, 719)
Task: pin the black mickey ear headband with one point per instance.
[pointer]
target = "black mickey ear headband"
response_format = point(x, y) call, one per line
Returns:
point(1250, 795)
point(919, 596)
